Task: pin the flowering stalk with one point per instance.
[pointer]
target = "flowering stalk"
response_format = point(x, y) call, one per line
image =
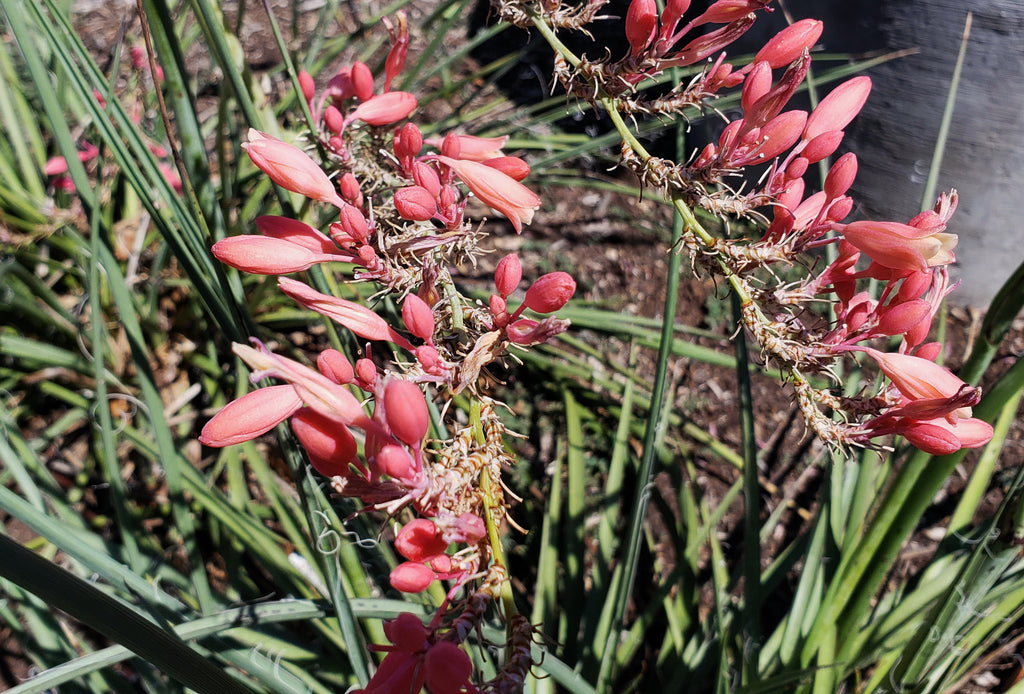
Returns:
point(401, 224)
point(910, 259)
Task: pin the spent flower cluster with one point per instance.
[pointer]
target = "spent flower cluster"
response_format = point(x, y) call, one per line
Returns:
point(400, 200)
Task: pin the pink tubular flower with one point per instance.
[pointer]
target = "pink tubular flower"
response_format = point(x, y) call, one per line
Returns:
point(290, 168)
point(900, 246)
point(385, 109)
point(359, 319)
point(251, 415)
point(294, 231)
point(315, 390)
point(263, 255)
point(420, 540)
point(411, 577)
point(496, 190)
point(330, 446)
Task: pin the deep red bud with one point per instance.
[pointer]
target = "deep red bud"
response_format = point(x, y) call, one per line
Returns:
point(902, 317)
point(307, 85)
point(508, 274)
point(418, 317)
point(447, 668)
point(335, 366)
point(550, 292)
point(340, 87)
point(641, 24)
point(415, 203)
point(362, 81)
point(405, 409)
point(420, 540)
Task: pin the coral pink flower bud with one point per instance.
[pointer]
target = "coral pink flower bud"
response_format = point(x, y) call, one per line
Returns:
point(349, 186)
point(757, 84)
point(366, 373)
point(550, 292)
point(840, 176)
point(290, 168)
point(353, 223)
point(914, 285)
point(425, 176)
point(399, 34)
point(840, 209)
point(929, 351)
point(405, 409)
point(294, 231)
point(331, 447)
point(418, 317)
point(448, 197)
point(930, 438)
point(307, 85)
point(797, 168)
point(472, 147)
point(451, 146)
point(508, 275)
point(641, 24)
point(333, 119)
point(779, 134)
point(362, 81)
point(430, 360)
point(469, 527)
point(822, 146)
point(251, 415)
point(447, 668)
point(772, 103)
point(496, 190)
point(411, 577)
point(513, 167)
point(340, 86)
point(901, 246)
point(836, 110)
point(335, 366)
point(900, 318)
point(394, 461)
point(420, 540)
point(497, 305)
point(408, 142)
point(790, 43)
point(415, 203)
point(356, 317)
point(263, 255)
point(385, 109)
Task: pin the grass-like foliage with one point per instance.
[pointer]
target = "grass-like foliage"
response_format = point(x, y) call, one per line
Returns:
point(135, 558)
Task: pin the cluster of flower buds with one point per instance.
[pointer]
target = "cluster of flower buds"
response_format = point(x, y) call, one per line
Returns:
point(925, 402)
point(401, 205)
